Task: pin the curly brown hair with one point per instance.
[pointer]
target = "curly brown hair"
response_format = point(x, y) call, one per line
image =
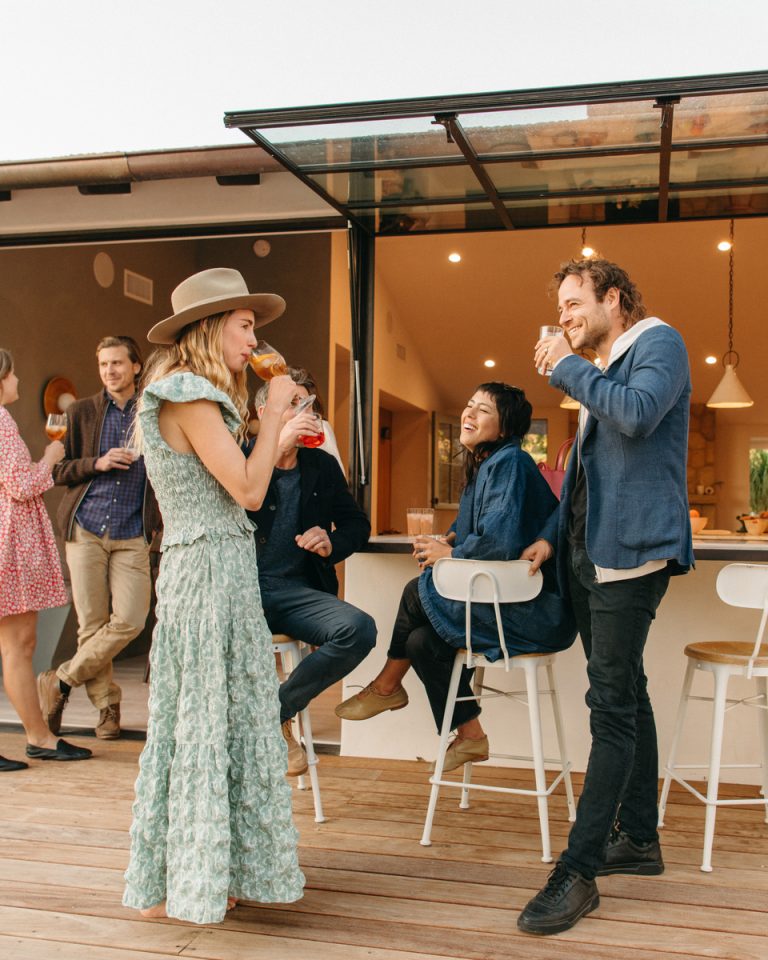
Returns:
point(604, 274)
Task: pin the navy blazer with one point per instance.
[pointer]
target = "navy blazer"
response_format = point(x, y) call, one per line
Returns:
point(633, 452)
point(325, 502)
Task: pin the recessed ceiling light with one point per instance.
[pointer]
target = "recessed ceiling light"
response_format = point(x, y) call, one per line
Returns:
point(710, 360)
point(489, 363)
point(454, 257)
point(724, 245)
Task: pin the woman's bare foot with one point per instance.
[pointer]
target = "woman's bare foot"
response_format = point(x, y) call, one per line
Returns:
point(154, 913)
point(232, 902)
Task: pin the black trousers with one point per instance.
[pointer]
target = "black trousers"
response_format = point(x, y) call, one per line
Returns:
point(415, 639)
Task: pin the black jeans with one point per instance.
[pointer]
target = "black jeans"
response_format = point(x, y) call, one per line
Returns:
point(415, 639)
point(343, 635)
point(621, 781)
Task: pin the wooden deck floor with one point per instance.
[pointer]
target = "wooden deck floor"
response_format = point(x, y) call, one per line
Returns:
point(373, 893)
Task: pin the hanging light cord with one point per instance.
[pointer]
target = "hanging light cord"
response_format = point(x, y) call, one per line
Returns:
point(731, 352)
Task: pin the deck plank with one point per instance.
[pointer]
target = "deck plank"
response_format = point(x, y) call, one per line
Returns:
point(373, 892)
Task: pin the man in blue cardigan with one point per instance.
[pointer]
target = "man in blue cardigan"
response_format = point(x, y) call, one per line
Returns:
point(622, 529)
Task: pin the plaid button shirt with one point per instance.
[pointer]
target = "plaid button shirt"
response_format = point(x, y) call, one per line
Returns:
point(114, 499)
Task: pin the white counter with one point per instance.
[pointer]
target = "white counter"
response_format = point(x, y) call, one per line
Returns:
point(690, 611)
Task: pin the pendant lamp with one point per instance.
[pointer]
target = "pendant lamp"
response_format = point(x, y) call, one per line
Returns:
point(729, 393)
point(568, 403)
point(586, 250)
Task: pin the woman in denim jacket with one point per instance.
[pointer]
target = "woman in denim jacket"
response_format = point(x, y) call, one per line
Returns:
point(505, 502)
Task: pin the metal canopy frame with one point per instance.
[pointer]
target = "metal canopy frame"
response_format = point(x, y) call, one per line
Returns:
point(335, 164)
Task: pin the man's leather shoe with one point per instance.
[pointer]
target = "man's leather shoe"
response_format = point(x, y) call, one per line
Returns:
point(623, 855)
point(368, 703)
point(6, 765)
point(52, 700)
point(563, 900)
point(63, 751)
point(297, 759)
point(108, 727)
point(461, 751)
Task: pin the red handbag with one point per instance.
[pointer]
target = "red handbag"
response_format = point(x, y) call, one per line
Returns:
point(555, 477)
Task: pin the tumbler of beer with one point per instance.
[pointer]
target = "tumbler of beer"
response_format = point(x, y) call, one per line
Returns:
point(267, 362)
point(548, 331)
point(56, 426)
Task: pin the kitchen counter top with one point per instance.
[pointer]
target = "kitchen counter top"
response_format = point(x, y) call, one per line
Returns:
point(719, 546)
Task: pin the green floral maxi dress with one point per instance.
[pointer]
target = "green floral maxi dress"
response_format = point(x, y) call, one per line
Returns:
point(212, 815)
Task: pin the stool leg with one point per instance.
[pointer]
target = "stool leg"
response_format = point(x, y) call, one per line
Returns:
point(762, 686)
point(565, 764)
point(537, 748)
point(445, 733)
point(679, 721)
point(477, 689)
point(715, 754)
point(309, 746)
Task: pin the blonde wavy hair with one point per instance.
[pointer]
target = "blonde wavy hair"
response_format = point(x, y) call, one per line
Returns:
point(198, 350)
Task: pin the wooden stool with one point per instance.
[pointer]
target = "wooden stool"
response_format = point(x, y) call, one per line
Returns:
point(292, 652)
point(740, 585)
point(498, 582)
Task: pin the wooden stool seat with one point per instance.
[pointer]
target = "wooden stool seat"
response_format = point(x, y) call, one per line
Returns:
point(739, 585)
point(727, 651)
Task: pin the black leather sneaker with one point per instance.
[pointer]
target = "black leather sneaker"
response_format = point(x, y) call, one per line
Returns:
point(623, 855)
point(563, 900)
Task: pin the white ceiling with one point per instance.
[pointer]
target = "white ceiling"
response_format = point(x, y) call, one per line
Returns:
point(493, 302)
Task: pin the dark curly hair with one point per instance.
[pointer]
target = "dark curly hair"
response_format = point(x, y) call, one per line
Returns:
point(514, 412)
point(605, 275)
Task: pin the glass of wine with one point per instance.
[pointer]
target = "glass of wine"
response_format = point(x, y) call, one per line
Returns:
point(267, 362)
point(310, 439)
point(56, 426)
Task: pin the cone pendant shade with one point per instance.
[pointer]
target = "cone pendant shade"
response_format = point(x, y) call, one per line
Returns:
point(729, 393)
point(568, 403)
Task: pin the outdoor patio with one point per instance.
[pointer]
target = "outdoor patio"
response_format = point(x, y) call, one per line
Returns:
point(372, 891)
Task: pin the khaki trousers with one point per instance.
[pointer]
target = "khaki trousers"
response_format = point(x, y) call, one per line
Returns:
point(103, 570)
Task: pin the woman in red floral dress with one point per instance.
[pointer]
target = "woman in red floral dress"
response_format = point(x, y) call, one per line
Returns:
point(30, 573)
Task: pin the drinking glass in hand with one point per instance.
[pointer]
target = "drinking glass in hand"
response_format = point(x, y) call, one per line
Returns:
point(548, 331)
point(266, 362)
point(56, 426)
point(310, 439)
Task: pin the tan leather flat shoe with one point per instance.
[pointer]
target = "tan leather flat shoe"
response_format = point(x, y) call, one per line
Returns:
point(368, 703)
point(460, 752)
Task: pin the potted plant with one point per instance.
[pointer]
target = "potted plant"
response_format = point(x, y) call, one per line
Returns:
point(758, 492)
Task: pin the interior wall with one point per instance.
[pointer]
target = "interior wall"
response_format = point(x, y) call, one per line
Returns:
point(405, 374)
point(733, 443)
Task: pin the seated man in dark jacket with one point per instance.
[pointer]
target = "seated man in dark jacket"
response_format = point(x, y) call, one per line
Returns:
point(308, 522)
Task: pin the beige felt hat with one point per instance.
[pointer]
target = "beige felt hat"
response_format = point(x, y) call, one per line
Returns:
point(209, 292)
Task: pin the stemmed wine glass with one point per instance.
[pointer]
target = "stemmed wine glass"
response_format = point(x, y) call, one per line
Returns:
point(267, 362)
point(56, 426)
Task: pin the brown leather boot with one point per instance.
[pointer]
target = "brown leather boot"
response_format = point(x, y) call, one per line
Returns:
point(108, 727)
point(297, 759)
point(52, 700)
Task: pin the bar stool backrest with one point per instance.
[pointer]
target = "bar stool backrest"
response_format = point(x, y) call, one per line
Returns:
point(746, 585)
point(486, 581)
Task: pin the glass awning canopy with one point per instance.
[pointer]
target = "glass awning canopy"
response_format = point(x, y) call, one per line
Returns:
point(652, 150)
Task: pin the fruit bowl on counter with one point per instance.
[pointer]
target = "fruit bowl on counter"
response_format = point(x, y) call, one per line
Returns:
point(755, 525)
point(698, 524)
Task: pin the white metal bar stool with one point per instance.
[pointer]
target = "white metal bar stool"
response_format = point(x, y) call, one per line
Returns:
point(497, 581)
point(291, 653)
point(740, 585)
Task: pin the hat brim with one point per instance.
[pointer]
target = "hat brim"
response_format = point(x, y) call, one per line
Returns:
point(266, 308)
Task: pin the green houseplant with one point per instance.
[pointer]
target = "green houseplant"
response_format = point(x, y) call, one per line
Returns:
point(758, 481)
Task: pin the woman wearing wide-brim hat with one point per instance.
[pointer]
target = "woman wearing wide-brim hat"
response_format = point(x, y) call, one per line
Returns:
point(212, 816)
